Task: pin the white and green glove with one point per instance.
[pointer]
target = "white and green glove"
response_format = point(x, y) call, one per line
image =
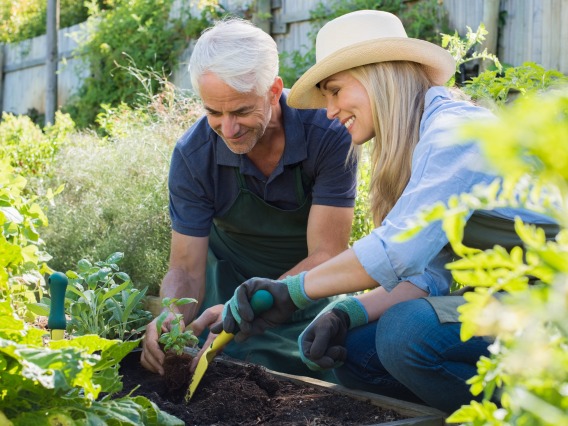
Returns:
point(322, 343)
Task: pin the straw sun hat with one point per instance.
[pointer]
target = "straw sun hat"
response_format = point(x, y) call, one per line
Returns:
point(366, 37)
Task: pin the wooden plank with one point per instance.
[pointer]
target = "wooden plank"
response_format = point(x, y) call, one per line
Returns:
point(527, 30)
point(563, 33)
point(290, 13)
point(537, 34)
point(512, 39)
point(546, 19)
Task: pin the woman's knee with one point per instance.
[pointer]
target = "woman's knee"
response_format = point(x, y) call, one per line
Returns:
point(401, 327)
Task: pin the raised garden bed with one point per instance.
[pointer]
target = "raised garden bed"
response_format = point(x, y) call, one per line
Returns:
point(235, 393)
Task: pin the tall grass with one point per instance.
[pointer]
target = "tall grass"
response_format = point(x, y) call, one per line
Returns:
point(116, 195)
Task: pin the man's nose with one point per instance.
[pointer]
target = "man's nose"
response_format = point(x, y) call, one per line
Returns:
point(229, 126)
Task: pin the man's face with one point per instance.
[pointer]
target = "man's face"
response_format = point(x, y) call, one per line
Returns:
point(239, 118)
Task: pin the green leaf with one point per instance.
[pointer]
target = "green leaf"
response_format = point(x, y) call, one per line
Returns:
point(39, 309)
point(115, 258)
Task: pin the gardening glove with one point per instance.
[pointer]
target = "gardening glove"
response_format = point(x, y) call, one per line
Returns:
point(322, 343)
point(238, 316)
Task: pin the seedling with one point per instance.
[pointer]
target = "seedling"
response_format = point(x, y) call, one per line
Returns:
point(177, 338)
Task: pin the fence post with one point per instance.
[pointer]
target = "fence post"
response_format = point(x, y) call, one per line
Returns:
point(51, 62)
point(491, 20)
point(1, 78)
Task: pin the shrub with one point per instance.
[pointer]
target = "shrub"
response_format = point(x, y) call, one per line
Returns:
point(29, 149)
point(57, 383)
point(139, 32)
point(494, 89)
point(116, 196)
point(362, 220)
point(23, 19)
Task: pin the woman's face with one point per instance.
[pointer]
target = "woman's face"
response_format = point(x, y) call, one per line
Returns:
point(348, 101)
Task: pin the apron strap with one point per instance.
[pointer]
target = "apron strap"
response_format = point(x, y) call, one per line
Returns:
point(300, 193)
point(240, 179)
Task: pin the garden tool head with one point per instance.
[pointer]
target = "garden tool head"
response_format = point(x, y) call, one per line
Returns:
point(261, 301)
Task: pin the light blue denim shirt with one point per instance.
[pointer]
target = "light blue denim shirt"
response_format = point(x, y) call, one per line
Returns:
point(440, 168)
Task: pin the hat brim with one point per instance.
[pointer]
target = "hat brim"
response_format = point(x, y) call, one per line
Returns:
point(438, 64)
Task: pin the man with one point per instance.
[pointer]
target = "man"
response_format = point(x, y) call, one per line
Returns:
point(256, 189)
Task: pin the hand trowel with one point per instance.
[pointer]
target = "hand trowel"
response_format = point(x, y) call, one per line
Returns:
point(261, 301)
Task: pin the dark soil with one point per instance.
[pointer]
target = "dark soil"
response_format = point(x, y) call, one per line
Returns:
point(232, 394)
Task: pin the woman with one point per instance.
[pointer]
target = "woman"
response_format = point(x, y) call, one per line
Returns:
point(387, 89)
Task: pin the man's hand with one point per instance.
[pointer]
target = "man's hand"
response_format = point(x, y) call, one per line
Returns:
point(152, 357)
point(238, 315)
point(210, 316)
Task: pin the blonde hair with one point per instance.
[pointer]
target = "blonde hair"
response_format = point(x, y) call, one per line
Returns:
point(396, 91)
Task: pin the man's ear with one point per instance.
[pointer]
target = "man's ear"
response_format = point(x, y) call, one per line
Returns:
point(276, 90)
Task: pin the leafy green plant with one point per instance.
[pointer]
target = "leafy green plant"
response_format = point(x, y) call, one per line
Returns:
point(24, 19)
point(30, 150)
point(61, 384)
point(460, 48)
point(494, 89)
point(175, 339)
point(102, 300)
point(527, 145)
point(23, 260)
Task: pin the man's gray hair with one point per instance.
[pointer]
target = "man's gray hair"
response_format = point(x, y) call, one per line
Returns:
point(239, 53)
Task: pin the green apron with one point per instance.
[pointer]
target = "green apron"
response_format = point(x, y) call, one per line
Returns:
point(255, 239)
point(483, 231)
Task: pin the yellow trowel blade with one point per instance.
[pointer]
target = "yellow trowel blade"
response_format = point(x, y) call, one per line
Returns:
point(260, 302)
point(219, 343)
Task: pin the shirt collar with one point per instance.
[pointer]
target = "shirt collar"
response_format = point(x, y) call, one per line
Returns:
point(435, 92)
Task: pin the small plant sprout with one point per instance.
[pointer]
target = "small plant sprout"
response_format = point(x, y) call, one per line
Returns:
point(175, 339)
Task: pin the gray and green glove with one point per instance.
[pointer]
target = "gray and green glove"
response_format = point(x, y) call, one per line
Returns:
point(322, 343)
point(238, 317)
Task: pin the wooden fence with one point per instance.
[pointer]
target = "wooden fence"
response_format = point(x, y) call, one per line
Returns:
point(533, 30)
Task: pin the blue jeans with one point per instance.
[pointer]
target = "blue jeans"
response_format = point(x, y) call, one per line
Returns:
point(408, 354)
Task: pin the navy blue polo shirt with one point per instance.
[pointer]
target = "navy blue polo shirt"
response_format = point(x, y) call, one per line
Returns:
point(203, 183)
